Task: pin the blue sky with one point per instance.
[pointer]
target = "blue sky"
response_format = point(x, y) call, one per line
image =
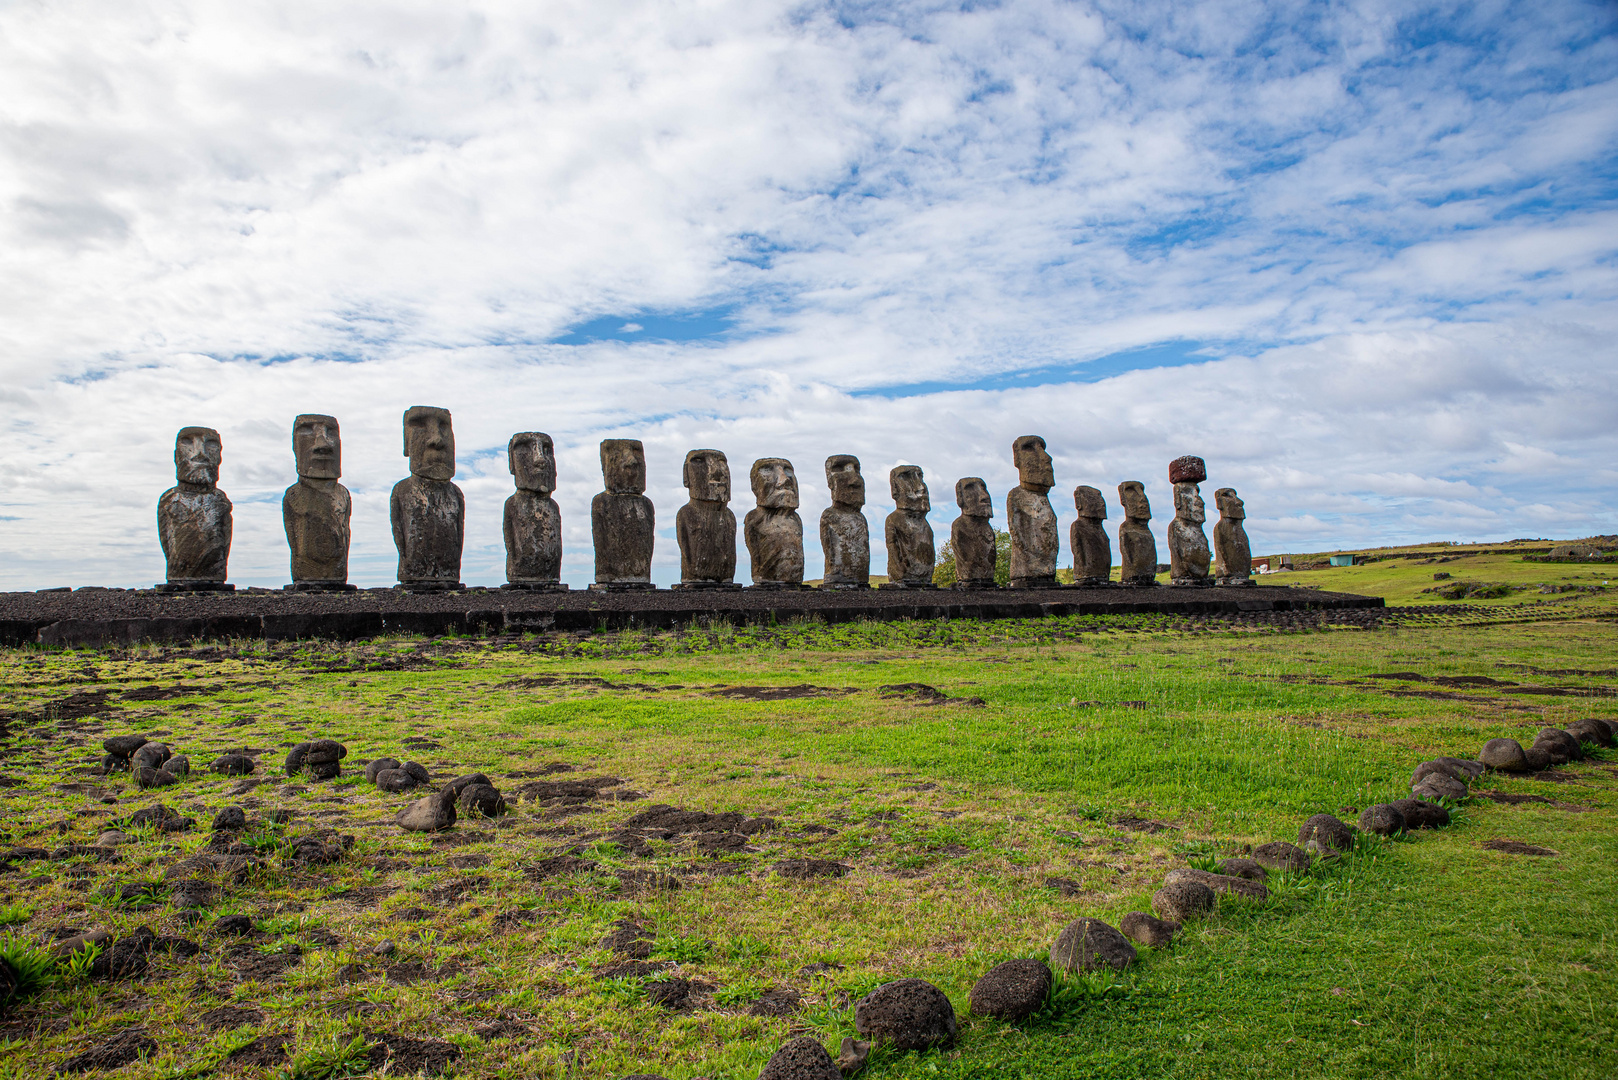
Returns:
point(1360, 256)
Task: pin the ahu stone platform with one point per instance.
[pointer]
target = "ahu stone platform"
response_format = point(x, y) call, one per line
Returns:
point(97, 617)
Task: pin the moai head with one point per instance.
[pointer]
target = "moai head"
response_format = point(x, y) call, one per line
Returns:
point(844, 479)
point(623, 466)
point(972, 496)
point(909, 489)
point(1229, 504)
point(1132, 493)
point(775, 485)
point(197, 454)
point(1033, 463)
point(429, 442)
point(1188, 504)
point(1089, 503)
point(707, 474)
point(531, 457)
point(317, 444)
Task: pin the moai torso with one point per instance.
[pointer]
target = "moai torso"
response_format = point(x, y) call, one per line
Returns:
point(194, 526)
point(1137, 551)
point(775, 545)
point(973, 541)
point(624, 528)
point(533, 534)
point(1035, 540)
point(428, 519)
point(1092, 552)
point(315, 514)
point(706, 531)
point(910, 548)
point(845, 537)
point(1235, 554)
point(1188, 552)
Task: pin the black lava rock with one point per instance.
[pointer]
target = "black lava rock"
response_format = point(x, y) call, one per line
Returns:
point(1012, 990)
point(910, 1014)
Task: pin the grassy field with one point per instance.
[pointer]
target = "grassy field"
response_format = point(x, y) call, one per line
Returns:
point(985, 784)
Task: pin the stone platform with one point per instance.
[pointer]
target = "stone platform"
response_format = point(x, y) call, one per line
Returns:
point(97, 617)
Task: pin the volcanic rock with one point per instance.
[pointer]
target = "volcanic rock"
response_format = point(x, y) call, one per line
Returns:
point(1089, 944)
point(1012, 990)
point(910, 1014)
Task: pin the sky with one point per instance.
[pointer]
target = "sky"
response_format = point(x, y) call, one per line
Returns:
point(1362, 257)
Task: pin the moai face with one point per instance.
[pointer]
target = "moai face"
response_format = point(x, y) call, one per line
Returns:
point(197, 454)
point(844, 479)
point(775, 485)
point(623, 466)
point(429, 441)
point(1089, 503)
point(317, 444)
point(1132, 494)
point(909, 489)
point(531, 457)
point(1188, 504)
point(1033, 463)
point(972, 496)
point(1229, 504)
point(707, 474)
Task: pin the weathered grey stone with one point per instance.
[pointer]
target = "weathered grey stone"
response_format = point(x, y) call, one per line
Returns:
point(1089, 944)
point(772, 529)
point(121, 746)
point(907, 1014)
point(1384, 819)
point(1594, 732)
point(1036, 543)
point(152, 754)
point(845, 535)
point(1219, 883)
point(1233, 552)
point(1421, 814)
point(623, 522)
point(315, 511)
point(1250, 869)
point(427, 510)
point(147, 777)
point(1438, 786)
point(194, 517)
point(1467, 769)
point(532, 523)
point(1181, 901)
point(1281, 856)
point(396, 781)
point(1561, 746)
point(911, 555)
point(1505, 755)
point(1146, 930)
point(1188, 544)
point(971, 536)
point(231, 817)
point(232, 765)
point(1443, 767)
point(1092, 551)
point(705, 526)
point(1327, 833)
point(1012, 990)
point(461, 783)
point(480, 800)
point(381, 764)
point(801, 1059)
point(1137, 549)
point(430, 813)
point(1537, 758)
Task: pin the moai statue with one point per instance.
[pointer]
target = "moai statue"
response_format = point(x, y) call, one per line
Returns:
point(844, 535)
point(315, 511)
point(427, 510)
point(1092, 551)
point(971, 536)
point(622, 521)
point(1137, 550)
point(193, 516)
point(1233, 563)
point(532, 524)
point(1188, 544)
point(772, 529)
point(910, 538)
point(1035, 541)
point(705, 526)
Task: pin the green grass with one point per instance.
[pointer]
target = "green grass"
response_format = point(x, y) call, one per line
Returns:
point(1428, 956)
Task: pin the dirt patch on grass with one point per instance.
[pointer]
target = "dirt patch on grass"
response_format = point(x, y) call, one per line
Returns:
point(780, 693)
point(1517, 847)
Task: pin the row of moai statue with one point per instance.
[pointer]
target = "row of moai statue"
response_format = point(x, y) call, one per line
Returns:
point(428, 512)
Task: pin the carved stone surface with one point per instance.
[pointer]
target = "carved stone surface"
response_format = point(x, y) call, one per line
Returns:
point(427, 510)
point(845, 536)
point(532, 524)
point(772, 529)
point(909, 536)
point(1188, 544)
point(622, 521)
point(1092, 551)
point(1035, 541)
point(1234, 554)
point(316, 510)
point(194, 516)
point(1188, 470)
point(705, 526)
point(971, 536)
point(1137, 549)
